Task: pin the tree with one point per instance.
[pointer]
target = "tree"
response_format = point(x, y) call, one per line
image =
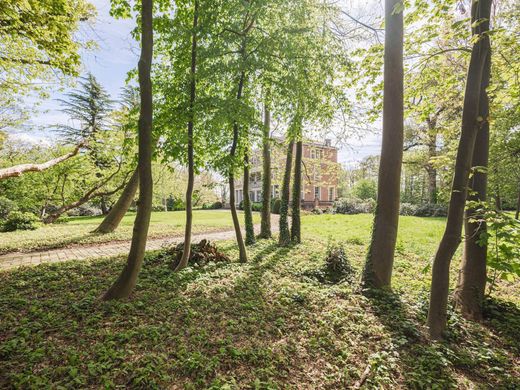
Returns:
point(126, 281)
point(480, 15)
point(191, 165)
point(265, 224)
point(248, 214)
point(284, 237)
point(380, 257)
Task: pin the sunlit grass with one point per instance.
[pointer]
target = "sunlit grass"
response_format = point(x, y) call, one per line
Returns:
point(79, 230)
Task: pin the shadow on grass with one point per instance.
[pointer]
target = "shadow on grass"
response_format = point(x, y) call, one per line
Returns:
point(503, 318)
point(422, 364)
point(425, 364)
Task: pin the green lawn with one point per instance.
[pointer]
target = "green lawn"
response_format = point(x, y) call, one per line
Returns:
point(79, 230)
point(262, 325)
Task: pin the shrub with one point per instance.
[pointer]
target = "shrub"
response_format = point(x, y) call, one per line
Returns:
point(241, 205)
point(432, 210)
point(317, 211)
point(337, 267)
point(7, 206)
point(175, 204)
point(18, 220)
point(407, 209)
point(84, 211)
point(256, 206)
point(212, 206)
point(365, 189)
point(353, 206)
point(275, 206)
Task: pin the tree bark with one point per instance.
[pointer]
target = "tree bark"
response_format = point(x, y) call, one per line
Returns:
point(380, 258)
point(248, 212)
point(432, 153)
point(124, 285)
point(191, 166)
point(284, 238)
point(118, 211)
point(470, 124)
point(265, 224)
point(517, 213)
point(296, 235)
point(19, 170)
point(231, 179)
point(469, 294)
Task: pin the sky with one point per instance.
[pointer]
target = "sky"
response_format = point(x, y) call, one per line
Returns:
point(116, 54)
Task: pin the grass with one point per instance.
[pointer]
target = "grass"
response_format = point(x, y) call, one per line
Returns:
point(79, 230)
point(260, 325)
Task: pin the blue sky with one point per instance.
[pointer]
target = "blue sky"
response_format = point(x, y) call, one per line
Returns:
point(117, 53)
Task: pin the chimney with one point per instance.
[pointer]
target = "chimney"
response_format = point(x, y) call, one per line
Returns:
point(328, 142)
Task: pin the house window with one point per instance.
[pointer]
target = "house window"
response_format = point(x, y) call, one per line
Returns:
point(252, 196)
point(331, 193)
point(258, 196)
point(274, 191)
point(317, 193)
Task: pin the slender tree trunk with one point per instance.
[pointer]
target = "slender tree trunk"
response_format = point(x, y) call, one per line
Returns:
point(284, 238)
point(191, 167)
point(469, 294)
point(248, 212)
point(296, 236)
point(452, 234)
point(265, 225)
point(118, 211)
point(517, 214)
point(231, 178)
point(126, 281)
point(380, 257)
point(432, 153)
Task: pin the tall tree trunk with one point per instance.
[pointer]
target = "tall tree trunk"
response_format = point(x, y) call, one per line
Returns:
point(231, 178)
point(452, 234)
point(191, 167)
point(126, 281)
point(432, 153)
point(380, 258)
point(265, 225)
point(517, 213)
point(296, 235)
point(118, 211)
point(284, 238)
point(248, 212)
point(469, 294)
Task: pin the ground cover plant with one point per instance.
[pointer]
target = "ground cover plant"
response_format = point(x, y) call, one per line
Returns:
point(263, 324)
point(78, 230)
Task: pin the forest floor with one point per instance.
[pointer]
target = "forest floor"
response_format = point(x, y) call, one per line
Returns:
point(269, 323)
point(77, 231)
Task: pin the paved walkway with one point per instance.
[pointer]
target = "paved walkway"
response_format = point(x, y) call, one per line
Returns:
point(17, 259)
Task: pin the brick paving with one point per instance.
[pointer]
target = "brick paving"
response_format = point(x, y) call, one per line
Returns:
point(17, 259)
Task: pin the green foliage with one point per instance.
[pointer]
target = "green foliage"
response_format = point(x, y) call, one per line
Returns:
point(365, 189)
point(353, 206)
point(337, 267)
point(407, 209)
point(275, 205)
point(431, 210)
point(256, 206)
point(175, 203)
point(6, 207)
point(17, 220)
point(501, 237)
point(212, 206)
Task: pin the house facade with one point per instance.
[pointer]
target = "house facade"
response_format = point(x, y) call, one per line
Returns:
point(320, 170)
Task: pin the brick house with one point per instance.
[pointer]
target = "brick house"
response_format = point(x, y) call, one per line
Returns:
point(319, 169)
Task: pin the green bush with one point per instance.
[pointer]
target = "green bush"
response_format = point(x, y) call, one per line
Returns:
point(354, 206)
point(407, 209)
point(175, 204)
point(241, 205)
point(7, 206)
point(212, 206)
point(431, 210)
point(275, 206)
point(365, 189)
point(256, 206)
point(18, 220)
